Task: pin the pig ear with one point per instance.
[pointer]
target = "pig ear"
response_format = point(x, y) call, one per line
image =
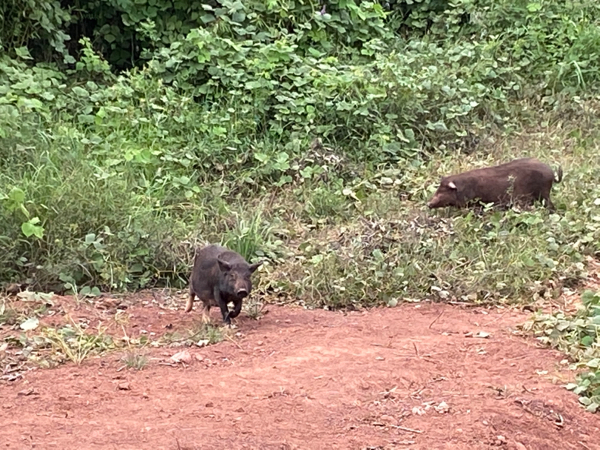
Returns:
point(224, 265)
point(451, 185)
point(253, 267)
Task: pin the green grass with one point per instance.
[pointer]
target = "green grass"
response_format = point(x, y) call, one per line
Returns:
point(254, 308)
point(135, 360)
point(74, 343)
point(577, 335)
point(200, 334)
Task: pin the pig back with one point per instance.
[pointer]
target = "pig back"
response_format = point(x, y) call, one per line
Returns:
point(525, 178)
point(205, 271)
point(529, 178)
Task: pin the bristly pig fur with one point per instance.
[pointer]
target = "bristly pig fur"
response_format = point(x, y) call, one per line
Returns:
point(220, 276)
point(521, 181)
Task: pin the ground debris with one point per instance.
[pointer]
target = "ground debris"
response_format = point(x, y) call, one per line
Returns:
point(540, 409)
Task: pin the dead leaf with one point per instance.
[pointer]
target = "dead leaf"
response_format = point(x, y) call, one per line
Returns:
point(30, 324)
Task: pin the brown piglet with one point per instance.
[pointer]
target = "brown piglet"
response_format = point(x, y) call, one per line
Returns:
point(522, 181)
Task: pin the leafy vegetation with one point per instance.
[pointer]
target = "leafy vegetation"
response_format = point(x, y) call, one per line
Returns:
point(74, 343)
point(256, 124)
point(578, 336)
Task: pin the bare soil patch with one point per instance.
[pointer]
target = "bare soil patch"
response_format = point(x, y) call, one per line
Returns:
point(427, 376)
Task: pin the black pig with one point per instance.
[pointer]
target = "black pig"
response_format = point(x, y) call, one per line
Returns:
point(520, 181)
point(220, 276)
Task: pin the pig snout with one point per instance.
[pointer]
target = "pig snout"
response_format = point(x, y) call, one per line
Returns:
point(241, 293)
point(434, 202)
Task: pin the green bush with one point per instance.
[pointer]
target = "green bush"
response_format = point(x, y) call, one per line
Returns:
point(110, 177)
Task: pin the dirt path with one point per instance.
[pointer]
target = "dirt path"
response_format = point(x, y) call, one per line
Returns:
point(406, 377)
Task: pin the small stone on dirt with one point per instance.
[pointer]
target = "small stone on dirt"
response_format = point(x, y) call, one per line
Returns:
point(124, 387)
point(182, 357)
point(442, 408)
point(202, 343)
point(388, 420)
point(29, 391)
point(418, 411)
point(481, 334)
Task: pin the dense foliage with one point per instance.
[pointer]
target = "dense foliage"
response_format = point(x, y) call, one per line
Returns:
point(130, 131)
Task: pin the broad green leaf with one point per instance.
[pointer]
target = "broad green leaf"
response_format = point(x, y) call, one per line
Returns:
point(587, 341)
point(30, 228)
point(81, 92)
point(23, 53)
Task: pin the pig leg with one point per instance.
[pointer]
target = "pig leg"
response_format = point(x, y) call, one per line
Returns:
point(190, 302)
point(545, 196)
point(222, 305)
point(236, 310)
point(206, 312)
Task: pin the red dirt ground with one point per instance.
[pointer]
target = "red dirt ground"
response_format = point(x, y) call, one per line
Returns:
point(415, 376)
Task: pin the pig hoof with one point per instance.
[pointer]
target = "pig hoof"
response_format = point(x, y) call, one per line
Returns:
point(188, 306)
